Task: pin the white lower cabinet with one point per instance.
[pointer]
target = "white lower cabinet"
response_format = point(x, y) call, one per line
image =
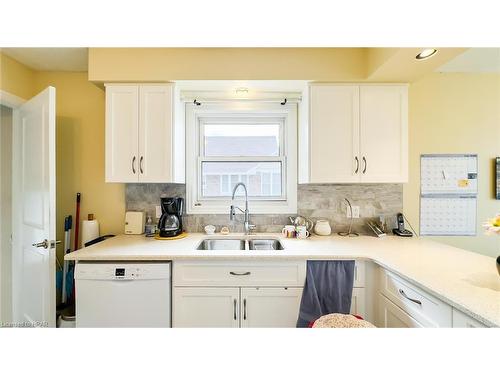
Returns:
point(391, 316)
point(206, 307)
point(358, 302)
point(215, 293)
point(461, 320)
point(422, 307)
point(270, 307)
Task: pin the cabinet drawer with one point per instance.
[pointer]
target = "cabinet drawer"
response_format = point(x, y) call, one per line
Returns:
point(239, 273)
point(428, 310)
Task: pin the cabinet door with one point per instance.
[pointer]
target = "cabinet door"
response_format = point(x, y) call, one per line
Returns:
point(391, 316)
point(461, 320)
point(270, 307)
point(206, 307)
point(334, 134)
point(384, 133)
point(122, 131)
point(155, 133)
point(358, 302)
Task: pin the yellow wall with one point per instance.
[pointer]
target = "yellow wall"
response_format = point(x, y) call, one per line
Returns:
point(16, 78)
point(80, 152)
point(456, 113)
point(166, 64)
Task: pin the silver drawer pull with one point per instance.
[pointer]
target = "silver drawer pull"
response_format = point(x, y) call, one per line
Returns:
point(402, 292)
point(234, 309)
point(240, 274)
point(244, 309)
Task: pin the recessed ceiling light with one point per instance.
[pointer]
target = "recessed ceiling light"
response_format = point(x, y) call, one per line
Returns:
point(426, 53)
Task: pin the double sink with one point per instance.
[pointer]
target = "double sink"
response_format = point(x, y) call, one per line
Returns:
point(240, 244)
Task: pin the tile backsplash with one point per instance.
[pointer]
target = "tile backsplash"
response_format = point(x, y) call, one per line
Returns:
point(315, 201)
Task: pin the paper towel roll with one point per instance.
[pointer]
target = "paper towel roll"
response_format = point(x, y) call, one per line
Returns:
point(90, 230)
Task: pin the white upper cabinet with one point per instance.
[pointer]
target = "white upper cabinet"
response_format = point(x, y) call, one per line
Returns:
point(358, 133)
point(139, 133)
point(383, 133)
point(334, 133)
point(155, 133)
point(122, 130)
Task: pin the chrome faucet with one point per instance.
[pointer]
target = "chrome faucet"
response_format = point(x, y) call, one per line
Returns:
point(232, 213)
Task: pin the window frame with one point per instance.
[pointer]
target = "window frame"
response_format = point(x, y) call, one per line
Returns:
point(241, 112)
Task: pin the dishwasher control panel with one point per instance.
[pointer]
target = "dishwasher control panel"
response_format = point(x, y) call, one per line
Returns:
point(125, 271)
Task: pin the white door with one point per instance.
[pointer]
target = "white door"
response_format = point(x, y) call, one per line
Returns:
point(334, 134)
point(358, 306)
point(34, 187)
point(206, 307)
point(391, 316)
point(122, 132)
point(270, 307)
point(384, 133)
point(155, 133)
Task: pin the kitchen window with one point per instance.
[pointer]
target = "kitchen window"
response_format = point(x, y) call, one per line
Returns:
point(240, 141)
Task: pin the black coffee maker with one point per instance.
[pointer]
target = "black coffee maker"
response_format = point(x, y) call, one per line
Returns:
point(170, 224)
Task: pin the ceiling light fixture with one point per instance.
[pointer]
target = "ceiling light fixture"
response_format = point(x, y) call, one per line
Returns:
point(426, 53)
point(241, 90)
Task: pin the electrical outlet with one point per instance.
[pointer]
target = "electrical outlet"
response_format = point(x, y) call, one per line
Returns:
point(158, 212)
point(355, 212)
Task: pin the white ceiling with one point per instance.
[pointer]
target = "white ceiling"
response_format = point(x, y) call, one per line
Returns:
point(51, 59)
point(474, 60)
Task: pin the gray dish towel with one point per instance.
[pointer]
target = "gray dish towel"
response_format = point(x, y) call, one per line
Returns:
point(328, 289)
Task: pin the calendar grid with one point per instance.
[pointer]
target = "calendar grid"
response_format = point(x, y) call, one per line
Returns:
point(448, 194)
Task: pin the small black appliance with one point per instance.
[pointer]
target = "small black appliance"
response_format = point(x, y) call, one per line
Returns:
point(170, 224)
point(400, 230)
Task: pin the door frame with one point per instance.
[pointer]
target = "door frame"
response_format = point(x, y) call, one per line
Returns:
point(13, 102)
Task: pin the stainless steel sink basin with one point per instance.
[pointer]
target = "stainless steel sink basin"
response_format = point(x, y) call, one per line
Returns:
point(240, 244)
point(265, 244)
point(222, 244)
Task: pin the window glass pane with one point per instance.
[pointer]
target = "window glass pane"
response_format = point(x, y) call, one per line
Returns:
point(257, 176)
point(242, 139)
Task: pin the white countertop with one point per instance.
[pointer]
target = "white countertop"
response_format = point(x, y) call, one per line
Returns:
point(467, 281)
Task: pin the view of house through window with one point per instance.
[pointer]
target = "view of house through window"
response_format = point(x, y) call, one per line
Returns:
point(231, 144)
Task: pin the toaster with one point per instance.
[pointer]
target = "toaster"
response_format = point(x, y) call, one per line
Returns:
point(135, 222)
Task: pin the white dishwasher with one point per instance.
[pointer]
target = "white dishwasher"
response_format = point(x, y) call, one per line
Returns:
point(135, 294)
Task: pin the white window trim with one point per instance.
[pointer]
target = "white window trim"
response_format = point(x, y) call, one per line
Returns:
point(286, 113)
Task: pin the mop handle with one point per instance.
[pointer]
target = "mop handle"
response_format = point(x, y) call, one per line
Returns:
point(77, 221)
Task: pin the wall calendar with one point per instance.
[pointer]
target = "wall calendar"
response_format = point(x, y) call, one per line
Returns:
point(448, 194)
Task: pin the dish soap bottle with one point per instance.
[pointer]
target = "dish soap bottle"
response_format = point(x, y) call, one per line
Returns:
point(149, 228)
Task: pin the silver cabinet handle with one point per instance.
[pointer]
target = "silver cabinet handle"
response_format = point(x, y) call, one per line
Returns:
point(366, 165)
point(46, 243)
point(402, 292)
point(133, 164)
point(240, 274)
point(234, 309)
point(244, 309)
point(140, 164)
point(357, 165)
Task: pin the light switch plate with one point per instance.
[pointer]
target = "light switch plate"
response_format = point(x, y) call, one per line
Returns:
point(355, 212)
point(158, 212)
